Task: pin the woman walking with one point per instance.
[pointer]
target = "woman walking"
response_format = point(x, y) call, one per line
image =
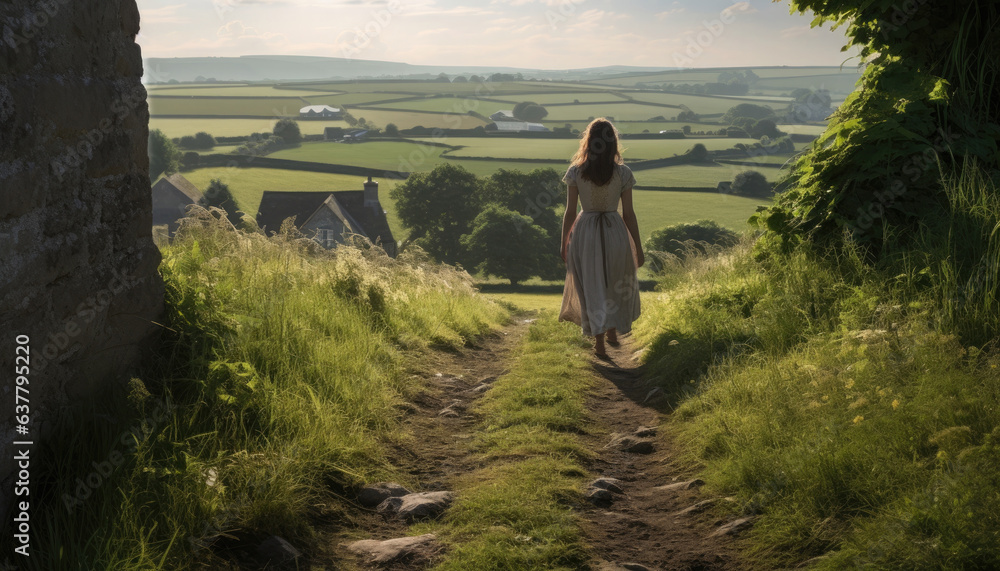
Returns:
point(601, 247)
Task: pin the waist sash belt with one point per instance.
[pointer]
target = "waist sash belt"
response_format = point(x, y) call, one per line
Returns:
point(602, 220)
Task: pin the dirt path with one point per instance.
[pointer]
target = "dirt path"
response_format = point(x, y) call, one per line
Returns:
point(639, 526)
point(642, 525)
point(438, 452)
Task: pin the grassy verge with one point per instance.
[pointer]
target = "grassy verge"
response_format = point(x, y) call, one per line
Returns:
point(856, 409)
point(275, 384)
point(515, 513)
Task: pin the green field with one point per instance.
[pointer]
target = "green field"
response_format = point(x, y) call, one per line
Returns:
point(220, 106)
point(697, 176)
point(425, 87)
point(706, 76)
point(248, 185)
point(658, 208)
point(443, 104)
point(340, 99)
point(176, 127)
point(703, 104)
point(408, 119)
point(567, 97)
point(619, 111)
point(563, 149)
point(385, 155)
point(231, 91)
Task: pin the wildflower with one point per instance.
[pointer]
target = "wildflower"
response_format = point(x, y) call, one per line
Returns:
point(849, 384)
point(858, 419)
point(895, 404)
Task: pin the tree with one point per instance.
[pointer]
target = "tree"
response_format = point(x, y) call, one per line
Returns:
point(204, 141)
point(190, 159)
point(187, 142)
point(698, 153)
point(683, 239)
point(506, 244)
point(288, 130)
point(529, 111)
point(392, 130)
point(751, 183)
point(218, 194)
point(765, 128)
point(687, 115)
point(748, 110)
point(686, 129)
point(438, 208)
point(164, 158)
point(460, 79)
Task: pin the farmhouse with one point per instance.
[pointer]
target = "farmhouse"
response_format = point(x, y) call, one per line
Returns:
point(516, 126)
point(503, 115)
point(329, 217)
point(320, 112)
point(171, 197)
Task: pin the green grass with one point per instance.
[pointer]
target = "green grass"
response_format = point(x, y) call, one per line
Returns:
point(233, 127)
point(697, 175)
point(658, 208)
point(529, 301)
point(699, 104)
point(563, 149)
point(695, 76)
point(386, 155)
point(569, 97)
point(339, 99)
point(248, 186)
point(266, 107)
point(855, 408)
point(444, 104)
point(408, 119)
point(515, 513)
point(284, 365)
point(229, 91)
point(620, 112)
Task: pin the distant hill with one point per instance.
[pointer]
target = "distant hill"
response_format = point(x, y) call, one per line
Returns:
point(298, 68)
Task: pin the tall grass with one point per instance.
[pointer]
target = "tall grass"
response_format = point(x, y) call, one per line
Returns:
point(274, 390)
point(857, 409)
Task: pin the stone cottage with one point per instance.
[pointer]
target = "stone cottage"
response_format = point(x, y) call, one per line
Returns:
point(328, 217)
point(171, 197)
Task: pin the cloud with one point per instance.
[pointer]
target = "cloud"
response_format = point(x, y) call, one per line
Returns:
point(742, 7)
point(795, 32)
point(236, 30)
point(164, 15)
point(668, 13)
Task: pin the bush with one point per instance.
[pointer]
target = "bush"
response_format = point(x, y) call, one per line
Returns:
point(392, 130)
point(289, 131)
point(683, 240)
point(190, 159)
point(698, 153)
point(751, 183)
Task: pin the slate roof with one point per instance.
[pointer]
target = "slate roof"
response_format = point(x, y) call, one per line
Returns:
point(276, 206)
point(181, 184)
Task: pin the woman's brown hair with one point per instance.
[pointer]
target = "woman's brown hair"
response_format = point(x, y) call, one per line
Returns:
point(599, 152)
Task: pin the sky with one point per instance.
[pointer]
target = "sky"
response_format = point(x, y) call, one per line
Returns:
point(537, 34)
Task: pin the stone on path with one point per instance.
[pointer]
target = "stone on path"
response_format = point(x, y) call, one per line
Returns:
point(421, 505)
point(656, 393)
point(629, 443)
point(275, 549)
point(697, 508)
point(610, 484)
point(375, 494)
point(645, 432)
point(734, 527)
point(678, 486)
point(418, 547)
point(599, 496)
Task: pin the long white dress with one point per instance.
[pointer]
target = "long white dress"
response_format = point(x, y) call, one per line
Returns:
point(601, 290)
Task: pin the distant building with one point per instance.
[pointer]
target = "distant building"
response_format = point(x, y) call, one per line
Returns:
point(333, 133)
point(725, 187)
point(320, 112)
point(327, 217)
point(503, 115)
point(515, 126)
point(355, 136)
point(171, 197)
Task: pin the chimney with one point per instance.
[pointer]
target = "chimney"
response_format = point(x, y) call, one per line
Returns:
point(371, 194)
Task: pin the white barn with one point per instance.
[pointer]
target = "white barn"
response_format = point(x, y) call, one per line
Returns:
point(320, 111)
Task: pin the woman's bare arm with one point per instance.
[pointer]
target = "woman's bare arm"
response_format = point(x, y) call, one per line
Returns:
point(628, 215)
point(572, 193)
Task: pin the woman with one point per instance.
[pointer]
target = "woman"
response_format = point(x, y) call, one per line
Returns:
point(601, 248)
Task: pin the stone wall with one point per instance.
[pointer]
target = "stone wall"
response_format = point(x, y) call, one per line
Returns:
point(78, 268)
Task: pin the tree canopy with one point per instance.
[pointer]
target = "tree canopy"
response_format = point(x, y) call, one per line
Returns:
point(506, 244)
point(164, 158)
point(529, 111)
point(288, 130)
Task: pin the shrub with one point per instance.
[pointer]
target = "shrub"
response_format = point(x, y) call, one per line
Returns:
point(683, 240)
